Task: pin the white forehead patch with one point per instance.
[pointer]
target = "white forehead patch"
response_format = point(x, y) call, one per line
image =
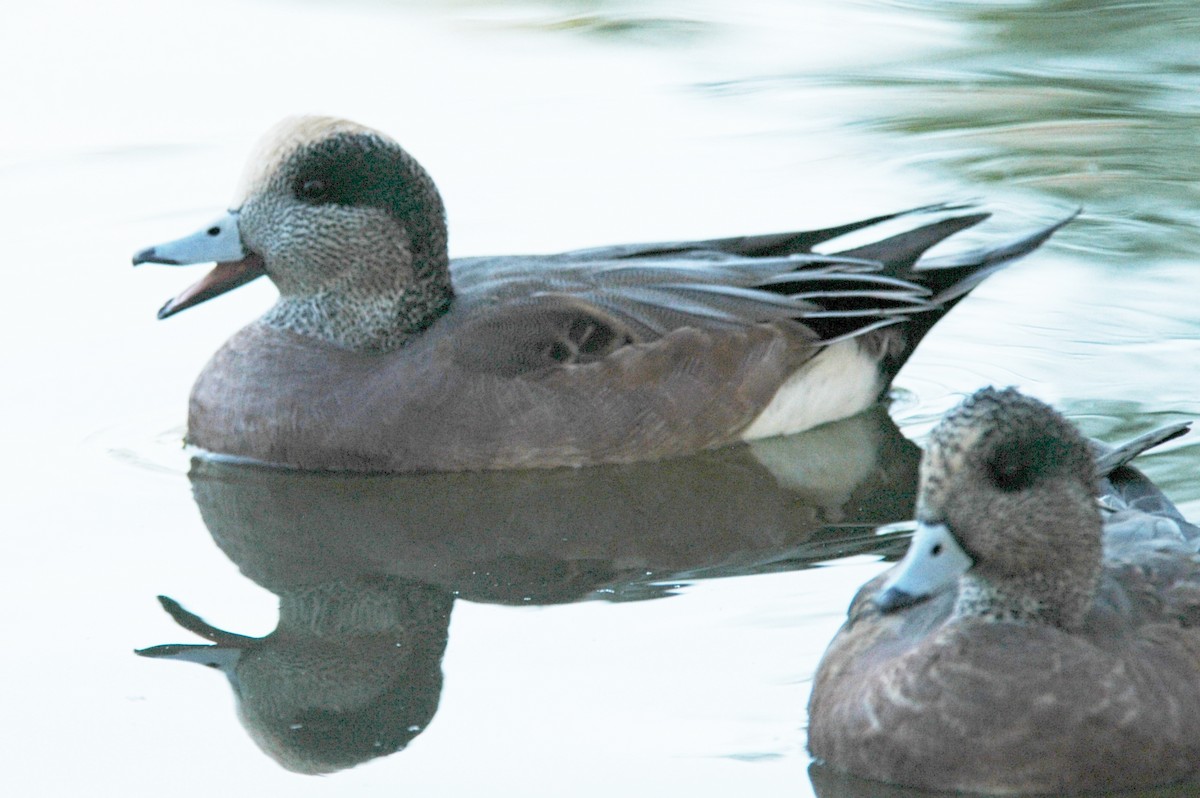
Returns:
point(950, 441)
point(273, 149)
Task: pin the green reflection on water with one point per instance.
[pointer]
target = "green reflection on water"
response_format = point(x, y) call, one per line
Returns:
point(1092, 102)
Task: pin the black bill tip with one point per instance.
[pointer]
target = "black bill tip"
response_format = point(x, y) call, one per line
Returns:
point(894, 599)
point(150, 255)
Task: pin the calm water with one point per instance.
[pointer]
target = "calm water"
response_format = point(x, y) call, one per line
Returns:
point(609, 632)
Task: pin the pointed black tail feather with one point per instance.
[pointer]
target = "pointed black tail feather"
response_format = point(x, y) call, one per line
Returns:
point(899, 252)
point(952, 277)
point(1109, 458)
point(949, 278)
point(803, 241)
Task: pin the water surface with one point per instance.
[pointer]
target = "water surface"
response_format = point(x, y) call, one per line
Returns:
point(628, 631)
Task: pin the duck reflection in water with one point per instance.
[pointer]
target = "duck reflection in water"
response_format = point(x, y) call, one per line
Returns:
point(367, 567)
point(352, 671)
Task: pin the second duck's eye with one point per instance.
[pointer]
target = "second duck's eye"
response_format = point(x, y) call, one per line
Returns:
point(313, 189)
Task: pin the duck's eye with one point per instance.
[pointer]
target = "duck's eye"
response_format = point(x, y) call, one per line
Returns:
point(1017, 465)
point(313, 189)
point(936, 550)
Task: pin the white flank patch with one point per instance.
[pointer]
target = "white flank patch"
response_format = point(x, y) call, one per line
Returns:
point(837, 383)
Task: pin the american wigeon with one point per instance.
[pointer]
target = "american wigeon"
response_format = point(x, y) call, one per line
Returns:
point(382, 354)
point(1033, 639)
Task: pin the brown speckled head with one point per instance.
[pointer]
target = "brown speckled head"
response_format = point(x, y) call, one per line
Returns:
point(351, 230)
point(1014, 483)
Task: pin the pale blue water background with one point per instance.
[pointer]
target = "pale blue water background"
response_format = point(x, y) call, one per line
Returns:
point(547, 126)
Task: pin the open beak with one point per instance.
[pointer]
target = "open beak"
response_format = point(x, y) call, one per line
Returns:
point(223, 652)
point(211, 655)
point(219, 242)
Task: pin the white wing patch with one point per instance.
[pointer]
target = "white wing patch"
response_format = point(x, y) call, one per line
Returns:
point(839, 382)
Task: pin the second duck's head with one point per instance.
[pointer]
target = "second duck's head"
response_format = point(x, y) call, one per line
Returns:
point(1006, 512)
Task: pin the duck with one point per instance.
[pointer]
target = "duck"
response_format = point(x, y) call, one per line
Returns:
point(383, 354)
point(1040, 635)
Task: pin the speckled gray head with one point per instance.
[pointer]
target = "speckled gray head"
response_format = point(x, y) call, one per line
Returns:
point(271, 154)
point(348, 226)
point(1006, 511)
